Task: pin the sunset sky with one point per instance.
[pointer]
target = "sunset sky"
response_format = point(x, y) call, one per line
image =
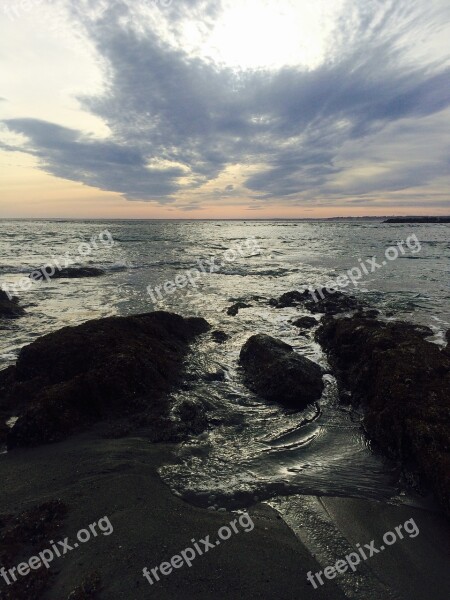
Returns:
point(227, 109)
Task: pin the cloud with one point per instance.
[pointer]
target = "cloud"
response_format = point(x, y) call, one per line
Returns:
point(177, 122)
point(104, 164)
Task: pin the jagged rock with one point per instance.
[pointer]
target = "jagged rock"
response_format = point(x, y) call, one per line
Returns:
point(403, 383)
point(233, 310)
point(107, 367)
point(9, 307)
point(320, 300)
point(293, 298)
point(323, 300)
point(305, 322)
point(277, 373)
point(219, 337)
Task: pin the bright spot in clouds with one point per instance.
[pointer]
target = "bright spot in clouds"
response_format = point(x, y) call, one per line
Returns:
point(252, 34)
point(281, 107)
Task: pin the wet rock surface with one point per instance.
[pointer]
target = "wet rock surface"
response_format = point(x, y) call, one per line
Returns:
point(403, 382)
point(118, 366)
point(220, 337)
point(9, 307)
point(320, 300)
point(305, 322)
point(331, 302)
point(288, 299)
point(233, 310)
point(278, 374)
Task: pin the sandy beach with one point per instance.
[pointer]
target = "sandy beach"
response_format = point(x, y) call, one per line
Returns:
point(95, 477)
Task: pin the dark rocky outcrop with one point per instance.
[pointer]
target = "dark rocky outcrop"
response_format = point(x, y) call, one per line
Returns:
point(233, 310)
point(220, 337)
point(403, 383)
point(76, 272)
point(9, 307)
point(100, 369)
point(331, 302)
point(320, 300)
point(277, 373)
point(287, 299)
point(305, 322)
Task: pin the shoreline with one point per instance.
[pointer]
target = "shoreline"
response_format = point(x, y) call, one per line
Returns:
point(105, 465)
point(118, 478)
point(95, 477)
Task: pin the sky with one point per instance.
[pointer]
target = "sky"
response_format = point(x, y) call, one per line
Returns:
point(224, 109)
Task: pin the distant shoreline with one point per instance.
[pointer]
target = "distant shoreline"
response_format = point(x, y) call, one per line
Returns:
point(418, 220)
point(382, 219)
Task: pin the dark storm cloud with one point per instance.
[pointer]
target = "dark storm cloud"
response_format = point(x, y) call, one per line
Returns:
point(177, 122)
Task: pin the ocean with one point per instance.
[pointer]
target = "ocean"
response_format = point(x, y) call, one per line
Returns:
point(256, 450)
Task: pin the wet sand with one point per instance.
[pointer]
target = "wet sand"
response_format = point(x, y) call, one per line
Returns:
point(118, 478)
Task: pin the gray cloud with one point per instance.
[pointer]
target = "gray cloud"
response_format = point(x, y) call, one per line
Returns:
point(177, 122)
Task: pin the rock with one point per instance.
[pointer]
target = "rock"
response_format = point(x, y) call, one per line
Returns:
point(103, 368)
point(402, 382)
point(305, 322)
point(9, 307)
point(277, 373)
point(193, 416)
point(3, 432)
point(7, 378)
point(323, 300)
point(293, 298)
point(76, 272)
point(233, 310)
point(219, 337)
point(319, 300)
